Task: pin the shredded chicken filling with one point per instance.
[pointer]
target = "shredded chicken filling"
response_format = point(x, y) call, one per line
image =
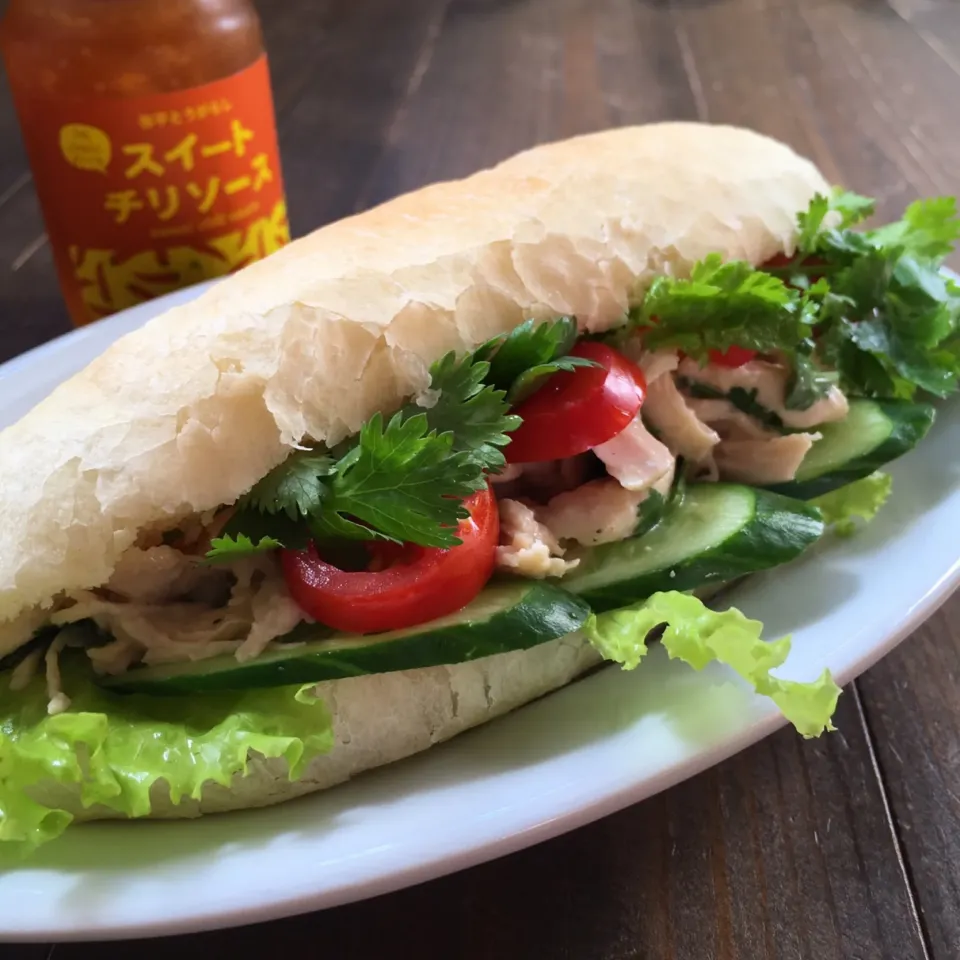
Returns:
point(598, 497)
point(162, 604)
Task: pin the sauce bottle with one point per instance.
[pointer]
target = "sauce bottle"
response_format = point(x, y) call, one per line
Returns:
point(150, 131)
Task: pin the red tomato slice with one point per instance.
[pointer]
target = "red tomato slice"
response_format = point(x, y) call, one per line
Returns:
point(420, 584)
point(777, 260)
point(579, 409)
point(732, 357)
point(782, 260)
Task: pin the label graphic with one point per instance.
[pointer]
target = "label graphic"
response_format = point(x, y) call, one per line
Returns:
point(144, 195)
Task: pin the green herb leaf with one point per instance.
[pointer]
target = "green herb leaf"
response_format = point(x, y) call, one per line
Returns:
point(723, 305)
point(650, 510)
point(533, 343)
point(404, 481)
point(888, 317)
point(808, 383)
point(476, 414)
point(226, 549)
point(401, 481)
point(851, 207)
point(249, 522)
point(295, 487)
point(740, 397)
point(929, 229)
point(533, 379)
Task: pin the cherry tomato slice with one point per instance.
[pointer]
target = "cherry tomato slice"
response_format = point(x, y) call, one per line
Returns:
point(577, 410)
point(777, 260)
point(420, 584)
point(780, 260)
point(732, 357)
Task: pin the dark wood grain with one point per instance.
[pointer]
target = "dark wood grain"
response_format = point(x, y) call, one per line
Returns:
point(793, 849)
point(937, 22)
point(334, 135)
point(784, 853)
point(338, 84)
point(33, 951)
point(852, 85)
point(13, 163)
point(912, 701)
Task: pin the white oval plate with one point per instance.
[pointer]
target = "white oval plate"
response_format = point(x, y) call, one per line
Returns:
point(603, 743)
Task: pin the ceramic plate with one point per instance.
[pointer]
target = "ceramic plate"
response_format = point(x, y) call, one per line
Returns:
point(590, 749)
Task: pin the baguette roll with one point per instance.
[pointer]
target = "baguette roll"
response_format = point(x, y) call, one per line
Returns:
point(188, 412)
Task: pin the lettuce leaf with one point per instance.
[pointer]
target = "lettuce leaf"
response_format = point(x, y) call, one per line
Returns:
point(115, 747)
point(858, 500)
point(698, 635)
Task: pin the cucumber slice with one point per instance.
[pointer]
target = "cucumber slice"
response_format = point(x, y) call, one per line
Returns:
point(506, 616)
point(873, 433)
point(715, 533)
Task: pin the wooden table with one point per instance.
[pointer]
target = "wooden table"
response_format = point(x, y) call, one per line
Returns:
point(846, 848)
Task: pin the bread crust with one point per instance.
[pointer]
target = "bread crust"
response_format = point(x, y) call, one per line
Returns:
point(377, 720)
point(190, 411)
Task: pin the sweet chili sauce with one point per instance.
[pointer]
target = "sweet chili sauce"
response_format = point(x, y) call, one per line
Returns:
point(150, 131)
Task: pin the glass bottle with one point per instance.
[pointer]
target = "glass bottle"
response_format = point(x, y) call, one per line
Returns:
point(150, 131)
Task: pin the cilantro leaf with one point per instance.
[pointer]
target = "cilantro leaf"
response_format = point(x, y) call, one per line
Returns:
point(929, 229)
point(723, 305)
point(403, 480)
point(248, 521)
point(905, 360)
point(886, 316)
point(476, 414)
point(851, 208)
point(808, 383)
point(227, 549)
point(531, 380)
point(400, 481)
point(295, 487)
point(531, 344)
point(889, 319)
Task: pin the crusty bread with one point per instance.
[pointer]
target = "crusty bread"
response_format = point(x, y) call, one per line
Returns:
point(378, 720)
point(188, 412)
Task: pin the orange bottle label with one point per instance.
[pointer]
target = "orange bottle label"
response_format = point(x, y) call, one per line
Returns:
point(144, 195)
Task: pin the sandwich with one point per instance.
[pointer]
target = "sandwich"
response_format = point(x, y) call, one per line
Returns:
point(439, 459)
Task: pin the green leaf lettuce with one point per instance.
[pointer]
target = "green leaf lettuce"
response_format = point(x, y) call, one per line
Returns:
point(859, 500)
point(116, 747)
point(698, 635)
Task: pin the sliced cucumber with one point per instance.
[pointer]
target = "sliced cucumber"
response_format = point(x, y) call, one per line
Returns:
point(716, 532)
point(507, 616)
point(873, 433)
